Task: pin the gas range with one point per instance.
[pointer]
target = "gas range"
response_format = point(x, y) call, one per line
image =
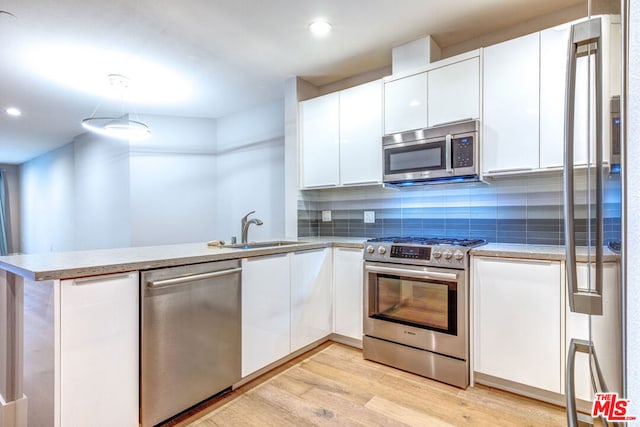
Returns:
point(428, 251)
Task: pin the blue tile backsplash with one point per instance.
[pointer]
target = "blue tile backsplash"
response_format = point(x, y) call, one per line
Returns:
point(507, 210)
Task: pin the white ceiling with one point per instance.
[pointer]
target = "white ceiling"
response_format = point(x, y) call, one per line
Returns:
point(204, 58)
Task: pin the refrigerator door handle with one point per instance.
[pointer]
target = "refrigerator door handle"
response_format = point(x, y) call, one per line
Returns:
point(582, 346)
point(448, 162)
point(585, 39)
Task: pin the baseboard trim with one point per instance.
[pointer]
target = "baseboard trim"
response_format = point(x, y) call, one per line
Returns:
point(528, 391)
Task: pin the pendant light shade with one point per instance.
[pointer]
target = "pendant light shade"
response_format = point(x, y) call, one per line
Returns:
point(117, 127)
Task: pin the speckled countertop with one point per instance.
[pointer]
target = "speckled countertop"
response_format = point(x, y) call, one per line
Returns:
point(544, 252)
point(65, 265)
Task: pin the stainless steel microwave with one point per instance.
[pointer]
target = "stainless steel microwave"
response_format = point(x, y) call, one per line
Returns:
point(437, 154)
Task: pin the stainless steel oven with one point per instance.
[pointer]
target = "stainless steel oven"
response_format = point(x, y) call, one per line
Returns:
point(416, 307)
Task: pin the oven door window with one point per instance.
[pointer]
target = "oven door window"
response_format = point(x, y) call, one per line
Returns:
point(415, 302)
point(415, 158)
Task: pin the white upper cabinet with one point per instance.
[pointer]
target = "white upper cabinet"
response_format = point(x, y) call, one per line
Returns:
point(513, 98)
point(553, 80)
point(448, 91)
point(361, 134)
point(320, 149)
point(341, 137)
point(454, 92)
point(405, 103)
point(553, 83)
point(511, 73)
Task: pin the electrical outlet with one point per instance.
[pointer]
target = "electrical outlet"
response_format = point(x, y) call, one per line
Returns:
point(369, 217)
point(326, 216)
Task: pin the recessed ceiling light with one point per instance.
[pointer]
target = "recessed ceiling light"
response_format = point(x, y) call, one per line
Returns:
point(13, 111)
point(320, 28)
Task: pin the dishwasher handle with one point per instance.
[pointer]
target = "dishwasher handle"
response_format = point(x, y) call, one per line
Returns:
point(165, 283)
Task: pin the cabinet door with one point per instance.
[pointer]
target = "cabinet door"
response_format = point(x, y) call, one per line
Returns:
point(454, 92)
point(517, 321)
point(347, 292)
point(361, 134)
point(311, 318)
point(553, 76)
point(405, 103)
point(265, 311)
point(608, 345)
point(511, 105)
point(320, 150)
point(99, 347)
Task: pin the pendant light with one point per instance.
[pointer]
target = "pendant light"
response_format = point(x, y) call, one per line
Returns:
point(117, 127)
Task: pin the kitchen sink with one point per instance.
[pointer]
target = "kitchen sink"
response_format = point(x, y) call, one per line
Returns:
point(258, 245)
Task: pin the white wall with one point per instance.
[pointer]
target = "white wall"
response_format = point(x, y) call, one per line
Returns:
point(12, 176)
point(250, 172)
point(101, 192)
point(191, 181)
point(632, 208)
point(76, 197)
point(47, 197)
point(173, 182)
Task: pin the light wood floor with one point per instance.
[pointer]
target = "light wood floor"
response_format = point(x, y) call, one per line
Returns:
point(334, 385)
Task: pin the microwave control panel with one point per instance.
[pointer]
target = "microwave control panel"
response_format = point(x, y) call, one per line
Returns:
point(462, 149)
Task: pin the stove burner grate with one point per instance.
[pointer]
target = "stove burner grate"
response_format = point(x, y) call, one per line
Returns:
point(429, 241)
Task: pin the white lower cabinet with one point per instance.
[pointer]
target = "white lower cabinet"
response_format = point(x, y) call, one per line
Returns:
point(518, 307)
point(265, 311)
point(98, 351)
point(347, 292)
point(311, 311)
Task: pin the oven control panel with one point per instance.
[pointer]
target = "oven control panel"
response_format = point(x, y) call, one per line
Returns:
point(410, 252)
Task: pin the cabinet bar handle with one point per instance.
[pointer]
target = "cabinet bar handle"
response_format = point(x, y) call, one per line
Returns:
point(361, 183)
point(92, 279)
point(510, 170)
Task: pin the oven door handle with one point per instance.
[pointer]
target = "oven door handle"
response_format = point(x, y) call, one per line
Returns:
point(415, 273)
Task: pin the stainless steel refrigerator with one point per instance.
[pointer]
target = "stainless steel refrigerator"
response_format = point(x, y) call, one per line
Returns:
point(594, 121)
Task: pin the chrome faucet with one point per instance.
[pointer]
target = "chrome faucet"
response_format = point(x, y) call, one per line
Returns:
point(246, 223)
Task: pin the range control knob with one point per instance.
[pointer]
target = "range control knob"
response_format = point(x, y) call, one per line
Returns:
point(458, 254)
point(447, 254)
point(370, 249)
point(437, 254)
point(382, 250)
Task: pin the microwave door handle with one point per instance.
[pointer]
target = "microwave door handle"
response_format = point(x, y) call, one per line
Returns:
point(447, 142)
point(587, 302)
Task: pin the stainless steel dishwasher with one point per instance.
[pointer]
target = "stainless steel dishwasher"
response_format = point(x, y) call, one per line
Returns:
point(190, 344)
